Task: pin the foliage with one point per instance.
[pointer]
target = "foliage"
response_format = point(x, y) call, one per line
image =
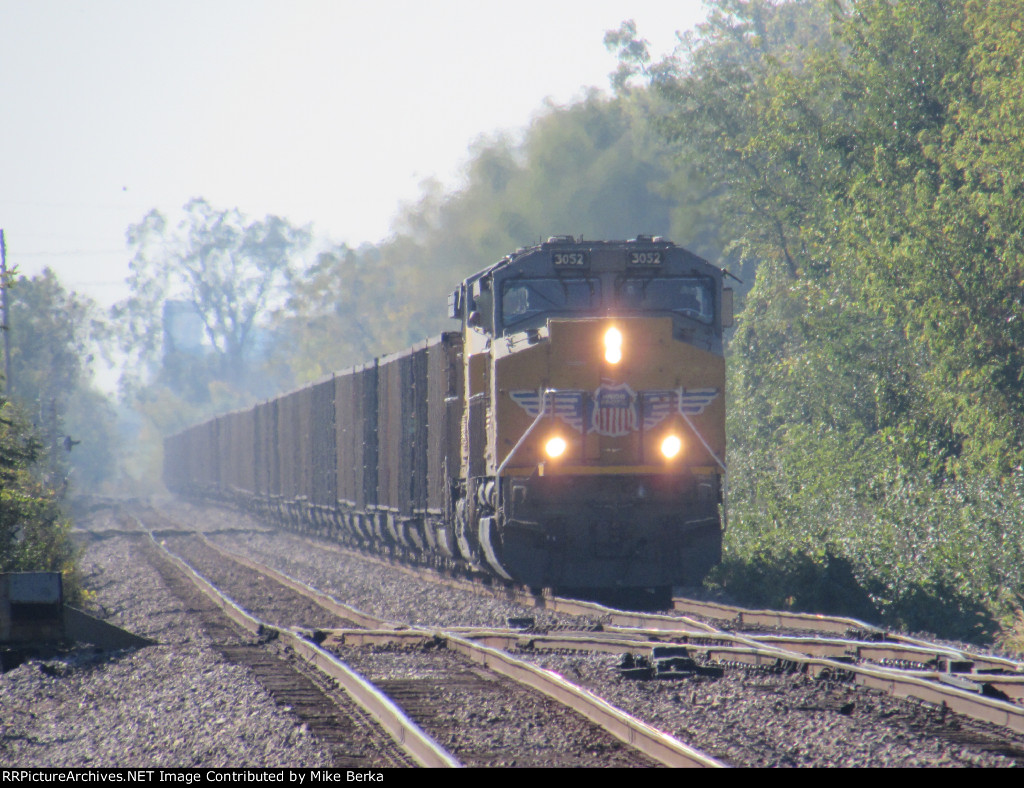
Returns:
point(34, 534)
point(591, 169)
point(52, 332)
point(859, 160)
point(889, 546)
point(48, 333)
point(91, 426)
point(1011, 635)
point(868, 158)
point(347, 308)
point(197, 331)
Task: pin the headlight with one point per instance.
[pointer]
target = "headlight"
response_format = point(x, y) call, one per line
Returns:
point(613, 345)
point(671, 446)
point(555, 447)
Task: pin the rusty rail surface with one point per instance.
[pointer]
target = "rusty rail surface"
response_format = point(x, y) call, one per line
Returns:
point(660, 746)
point(963, 693)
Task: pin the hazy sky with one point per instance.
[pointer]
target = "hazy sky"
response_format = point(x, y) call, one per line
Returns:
point(323, 111)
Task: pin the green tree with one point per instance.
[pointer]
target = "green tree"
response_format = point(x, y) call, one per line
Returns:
point(232, 272)
point(52, 333)
point(345, 309)
point(868, 156)
point(48, 330)
point(937, 223)
point(710, 101)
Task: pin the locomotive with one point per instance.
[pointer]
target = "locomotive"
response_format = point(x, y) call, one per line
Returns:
point(570, 435)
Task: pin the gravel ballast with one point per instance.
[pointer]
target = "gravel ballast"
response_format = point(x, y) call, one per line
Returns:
point(176, 704)
point(763, 718)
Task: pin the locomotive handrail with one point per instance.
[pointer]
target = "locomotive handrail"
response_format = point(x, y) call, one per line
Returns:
point(461, 398)
point(725, 471)
point(543, 412)
point(703, 442)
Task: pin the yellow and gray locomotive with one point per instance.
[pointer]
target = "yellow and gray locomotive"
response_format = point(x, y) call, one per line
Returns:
point(571, 435)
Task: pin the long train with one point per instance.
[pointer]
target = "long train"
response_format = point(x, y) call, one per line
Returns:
point(571, 435)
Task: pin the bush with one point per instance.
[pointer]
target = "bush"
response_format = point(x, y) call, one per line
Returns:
point(34, 531)
point(895, 548)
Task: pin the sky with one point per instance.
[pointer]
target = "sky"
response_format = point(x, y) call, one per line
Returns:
point(325, 112)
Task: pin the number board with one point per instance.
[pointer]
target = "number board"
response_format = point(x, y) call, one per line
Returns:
point(569, 259)
point(643, 259)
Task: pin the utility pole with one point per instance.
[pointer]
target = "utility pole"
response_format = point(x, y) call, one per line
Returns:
point(5, 327)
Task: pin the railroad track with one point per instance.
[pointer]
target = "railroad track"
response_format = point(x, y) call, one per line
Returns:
point(888, 645)
point(980, 686)
point(657, 639)
point(977, 685)
point(862, 644)
point(564, 725)
point(352, 733)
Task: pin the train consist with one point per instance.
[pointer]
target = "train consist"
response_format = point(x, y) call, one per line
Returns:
point(571, 435)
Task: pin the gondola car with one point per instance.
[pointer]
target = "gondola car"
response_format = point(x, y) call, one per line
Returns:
point(570, 435)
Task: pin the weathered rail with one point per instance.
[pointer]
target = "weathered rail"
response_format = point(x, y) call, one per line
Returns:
point(630, 730)
point(965, 685)
point(421, 747)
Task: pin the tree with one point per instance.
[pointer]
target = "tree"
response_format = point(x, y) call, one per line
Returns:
point(872, 180)
point(942, 253)
point(49, 329)
point(230, 271)
point(346, 308)
point(591, 169)
point(51, 335)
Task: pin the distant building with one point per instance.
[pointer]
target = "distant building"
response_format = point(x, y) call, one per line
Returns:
point(183, 328)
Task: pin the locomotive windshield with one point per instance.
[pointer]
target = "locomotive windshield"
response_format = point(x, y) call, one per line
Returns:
point(526, 298)
point(691, 296)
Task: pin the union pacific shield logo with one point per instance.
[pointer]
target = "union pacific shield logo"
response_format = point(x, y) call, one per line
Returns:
point(614, 410)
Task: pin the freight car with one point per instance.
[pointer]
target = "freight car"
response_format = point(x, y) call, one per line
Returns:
point(570, 435)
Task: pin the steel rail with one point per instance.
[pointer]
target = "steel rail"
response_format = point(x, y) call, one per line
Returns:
point(418, 744)
point(325, 601)
point(895, 682)
point(962, 693)
point(838, 624)
point(769, 618)
point(620, 642)
point(656, 744)
point(753, 650)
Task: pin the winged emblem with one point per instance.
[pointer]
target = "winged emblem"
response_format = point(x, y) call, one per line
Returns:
point(658, 405)
point(564, 405)
point(612, 408)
